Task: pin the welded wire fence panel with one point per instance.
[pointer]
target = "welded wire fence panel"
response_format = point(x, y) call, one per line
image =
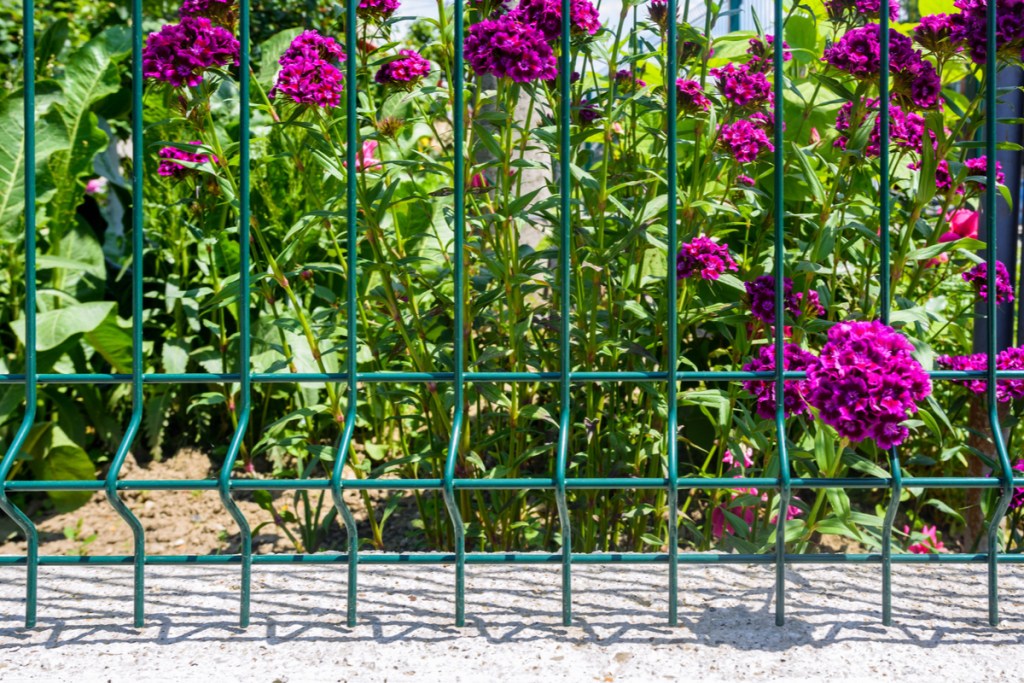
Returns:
point(450, 483)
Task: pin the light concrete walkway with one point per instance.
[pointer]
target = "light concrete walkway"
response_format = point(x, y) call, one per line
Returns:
point(513, 630)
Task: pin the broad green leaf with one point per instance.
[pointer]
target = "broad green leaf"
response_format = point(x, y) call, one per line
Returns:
point(12, 172)
point(55, 327)
point(63, 463)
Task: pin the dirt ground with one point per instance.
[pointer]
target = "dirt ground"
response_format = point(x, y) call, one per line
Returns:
point(185, 522)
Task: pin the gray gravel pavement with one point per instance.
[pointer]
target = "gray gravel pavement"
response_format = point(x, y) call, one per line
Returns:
point(513, 630)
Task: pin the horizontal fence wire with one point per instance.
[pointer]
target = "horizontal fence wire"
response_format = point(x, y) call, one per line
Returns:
point(459, 375)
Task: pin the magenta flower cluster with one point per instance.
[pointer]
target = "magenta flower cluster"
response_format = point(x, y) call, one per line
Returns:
point(978, 166)
point(906, 129)
point(744, 140)
point(546, 16)
point(179, 53)
point(866, 382)
point(1008, 359)
point(407, 70)
point(377, 9)
point(211, 9)
point(171, 156)
point(794, 400)
point(860, 8)
point(743, 87)
point(762, 53)
point(705, 258)
point(507, 48)
point(690, 97)
point(858, 53)
point(309, 74)
point(978, 276)
point(761, 294)
point(969, 28)
point(934, 33)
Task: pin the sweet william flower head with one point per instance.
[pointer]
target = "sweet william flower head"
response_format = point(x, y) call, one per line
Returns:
point(744, 140)
point(178, 54)
point(866, 382)
point(690, 98)
point(1008, 359)
point(796, 391)
point(704, 258)
point(171, 156)
point(377, 10)
point(406, 71)
point(978, 276)
point(506, 48)
point(546, 17)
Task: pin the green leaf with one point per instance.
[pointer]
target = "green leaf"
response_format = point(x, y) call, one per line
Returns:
point(112, 342)
point(55, 327)
point(12, 162)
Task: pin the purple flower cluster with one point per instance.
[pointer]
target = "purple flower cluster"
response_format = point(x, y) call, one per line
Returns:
point(308, 72)
point(906, 129)
point(743, 87)
point(587, 113)
point(934, 33)
point(1018, 493)
point(690, 97)
point(744, 140)
point(407, 70)
point(762, 53)
point(761, 292)
point(795, 396)
point(978, 166)
point(858, 53)
point(546, 16)
point(171, 156)
point(179, 53)
point(1008, 359)
point(218, 10)
point(657, 12)
point(978, 276)
point(507, 48)
point(866, 382)
point(704, 257)
point(628, 81)
point(866, 8)
point(377, 9)
point(969, 28)
point(794, 400)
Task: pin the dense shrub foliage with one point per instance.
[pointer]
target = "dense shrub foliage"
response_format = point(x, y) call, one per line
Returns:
point(866, 387)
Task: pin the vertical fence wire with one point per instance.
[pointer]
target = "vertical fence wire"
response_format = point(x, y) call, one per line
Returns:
point(20, 518)
point(779, 265)
point(138, 399)
point(459, 331)
point(992, 343)
point(885, 294)
point(565, 310)
point(672, 283)
point(243, 303)
point(343, 445)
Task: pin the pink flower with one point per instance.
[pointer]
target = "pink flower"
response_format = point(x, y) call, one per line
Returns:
point(96, 186)
point(930, 544)
point(365, 160)
point(962, 223)
point(744, 452)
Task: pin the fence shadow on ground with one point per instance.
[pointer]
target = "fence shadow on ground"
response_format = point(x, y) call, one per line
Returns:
point(728, 606)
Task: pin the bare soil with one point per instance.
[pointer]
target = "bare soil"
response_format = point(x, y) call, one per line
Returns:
point(187, 522)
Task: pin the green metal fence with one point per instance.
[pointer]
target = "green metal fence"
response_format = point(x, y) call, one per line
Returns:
point(459, 376)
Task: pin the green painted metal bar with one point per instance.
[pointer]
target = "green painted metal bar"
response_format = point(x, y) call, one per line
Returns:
point(885, 296)
point(824, 559)
point(138, 400)
point(244, 326)
point(469, 377)
point(992, 350)
point(344, 443)
point(459, 331)
point(565, 306)
point(536, 483)
point(779, 228)
point(672, 365)
point(22, 520)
